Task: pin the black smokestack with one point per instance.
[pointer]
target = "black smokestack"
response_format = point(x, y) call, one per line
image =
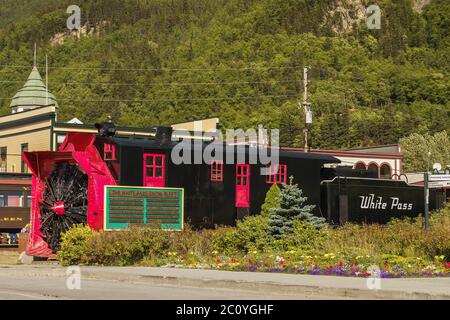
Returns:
point(163, 134)
point(107, 129)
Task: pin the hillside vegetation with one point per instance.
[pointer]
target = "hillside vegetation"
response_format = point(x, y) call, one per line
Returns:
point(156, 62)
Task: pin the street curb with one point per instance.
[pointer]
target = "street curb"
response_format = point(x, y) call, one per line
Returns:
point(269, 286)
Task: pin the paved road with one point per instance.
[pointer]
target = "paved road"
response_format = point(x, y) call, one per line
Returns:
point(49, 287)
point(49, 282)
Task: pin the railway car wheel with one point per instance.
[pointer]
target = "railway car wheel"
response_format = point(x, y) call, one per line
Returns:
point(64, 202)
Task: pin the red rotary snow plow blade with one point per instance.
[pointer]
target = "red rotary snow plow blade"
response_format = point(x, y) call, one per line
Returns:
point(67, 189)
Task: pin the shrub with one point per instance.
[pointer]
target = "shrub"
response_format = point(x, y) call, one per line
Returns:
point(305, 237)
point(292, 207)
point(126, 247)
point(250, 234)
point(272, 200)
point(74, 244)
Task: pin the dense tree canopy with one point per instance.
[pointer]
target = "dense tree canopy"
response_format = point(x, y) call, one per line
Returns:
point(156, 62)
point(422, 151)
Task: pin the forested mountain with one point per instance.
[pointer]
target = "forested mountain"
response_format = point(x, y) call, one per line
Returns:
point(163, 61)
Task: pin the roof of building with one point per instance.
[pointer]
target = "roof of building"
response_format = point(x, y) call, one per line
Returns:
point(198, 147)
point(33, 93)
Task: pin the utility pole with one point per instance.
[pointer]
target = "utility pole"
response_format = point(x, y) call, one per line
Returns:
point(427, 193)
point(46, 80)
point(34, 56)
point(306, 107)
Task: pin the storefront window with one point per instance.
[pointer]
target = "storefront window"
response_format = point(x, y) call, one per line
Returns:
point(373, 169)
point(23, 148)
point(385, 171)
point(11, 199)
point(3, 154)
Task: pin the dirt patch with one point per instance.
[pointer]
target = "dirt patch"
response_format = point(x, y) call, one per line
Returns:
point(8, 257)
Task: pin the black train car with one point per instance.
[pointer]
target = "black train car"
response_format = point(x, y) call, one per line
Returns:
point(216, 193)
point(369, 200)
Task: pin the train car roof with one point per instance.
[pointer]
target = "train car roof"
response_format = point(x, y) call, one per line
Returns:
point(155, 144)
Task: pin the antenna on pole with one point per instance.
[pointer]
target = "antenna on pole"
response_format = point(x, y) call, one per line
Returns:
point(306, 107)
point(46, 81)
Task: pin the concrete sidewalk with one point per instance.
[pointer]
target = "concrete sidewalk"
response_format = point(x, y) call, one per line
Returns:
point(289, 284)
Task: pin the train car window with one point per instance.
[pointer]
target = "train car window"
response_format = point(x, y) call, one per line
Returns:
point(277, 173)
point(109, 153)
point(216, 170)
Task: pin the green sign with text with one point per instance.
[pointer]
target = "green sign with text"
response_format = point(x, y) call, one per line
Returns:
point(141, 206)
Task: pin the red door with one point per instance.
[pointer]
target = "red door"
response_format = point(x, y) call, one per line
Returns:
point(154, 170)
point(243, 186)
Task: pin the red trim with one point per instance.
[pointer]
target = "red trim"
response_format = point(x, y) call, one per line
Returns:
point(277, 174)
point(109, 151)
point(242, 185)
point(216, 171)
point(154, 169)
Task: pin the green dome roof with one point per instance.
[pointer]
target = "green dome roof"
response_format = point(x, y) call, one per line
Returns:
point(33, 93)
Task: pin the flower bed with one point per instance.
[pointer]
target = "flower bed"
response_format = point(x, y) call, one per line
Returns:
point(383, 267)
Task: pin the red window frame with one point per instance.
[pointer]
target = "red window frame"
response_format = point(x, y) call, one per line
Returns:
point(154, 165)
point(216, 171)
point(109, 151)
point(242, 174)
point(277, 173)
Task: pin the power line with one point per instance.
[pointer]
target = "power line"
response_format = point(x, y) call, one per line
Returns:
point(179, 100)
point(162, 83)
point(159, 69)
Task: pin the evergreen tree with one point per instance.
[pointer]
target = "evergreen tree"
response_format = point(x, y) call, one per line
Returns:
point(292, 208)
point(272, 200)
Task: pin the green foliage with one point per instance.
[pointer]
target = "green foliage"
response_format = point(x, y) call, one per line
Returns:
point(75, 244)
point(244, 61)
point(250, 234)
point(272, 200)
point(305, 237)
point(292, 208)
point(401, 237)
point(417, 146)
